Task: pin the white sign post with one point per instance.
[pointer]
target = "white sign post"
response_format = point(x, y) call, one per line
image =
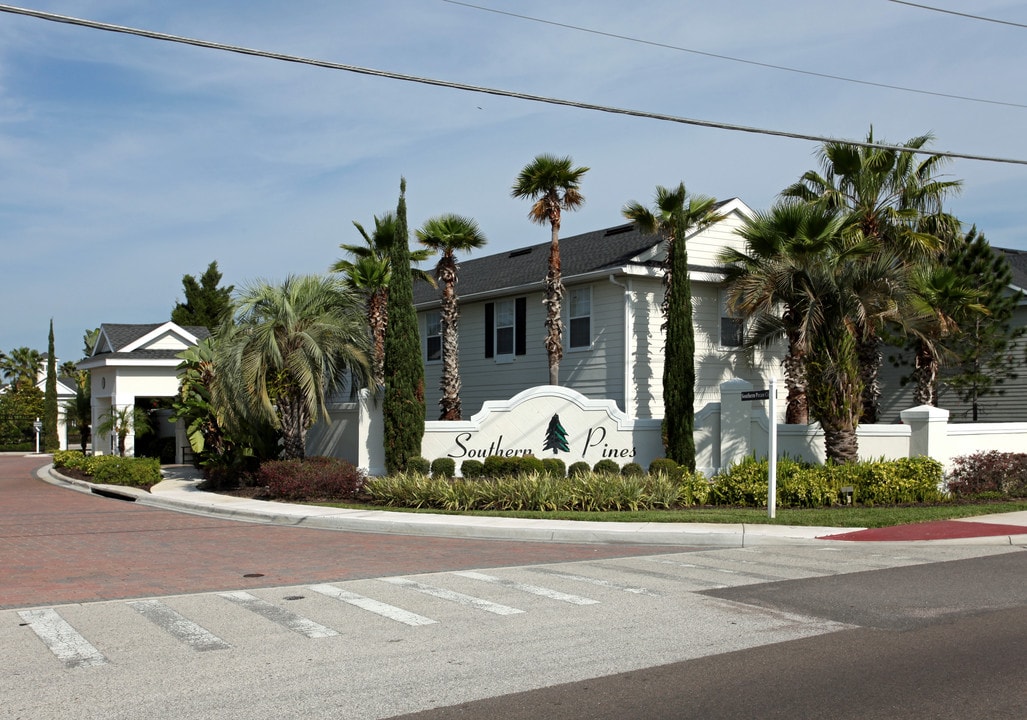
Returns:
point(37, 426)
point(772, 452)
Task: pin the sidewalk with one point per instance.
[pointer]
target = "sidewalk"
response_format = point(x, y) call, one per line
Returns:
point(178, 492)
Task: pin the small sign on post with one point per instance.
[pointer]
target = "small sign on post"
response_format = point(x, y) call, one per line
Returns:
point(755, 394)
point(37, 426)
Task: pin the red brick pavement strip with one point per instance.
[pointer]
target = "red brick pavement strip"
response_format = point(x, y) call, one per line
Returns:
point(60, 546)
point(934, 530)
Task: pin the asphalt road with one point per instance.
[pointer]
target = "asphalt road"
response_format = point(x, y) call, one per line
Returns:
point(137, 612)
point(935, 641)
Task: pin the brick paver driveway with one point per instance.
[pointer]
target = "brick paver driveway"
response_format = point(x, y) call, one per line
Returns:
point(61, 546)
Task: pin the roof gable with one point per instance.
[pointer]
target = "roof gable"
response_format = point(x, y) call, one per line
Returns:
point(147, 338)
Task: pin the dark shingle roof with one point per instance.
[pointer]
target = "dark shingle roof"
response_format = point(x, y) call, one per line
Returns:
point(1017, 263)
point(121, 335)
point(579, 254)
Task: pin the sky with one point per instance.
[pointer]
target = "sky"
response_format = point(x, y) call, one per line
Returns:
point(129, 162)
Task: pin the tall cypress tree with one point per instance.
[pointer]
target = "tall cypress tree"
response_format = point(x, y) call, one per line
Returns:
point(403, 406)
point(679, 357)
point(51, 441)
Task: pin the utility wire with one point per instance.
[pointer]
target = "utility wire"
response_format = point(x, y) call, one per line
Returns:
point(756, 63)
point(953, 12)
point(51, 17)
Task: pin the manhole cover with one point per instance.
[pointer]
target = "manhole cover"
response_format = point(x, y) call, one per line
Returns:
point(254, 575)
point(294, 597)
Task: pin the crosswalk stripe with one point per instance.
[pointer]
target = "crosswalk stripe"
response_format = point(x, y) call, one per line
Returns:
point(62, 639)
point(188, 632)
point(283, 617)
point(384, 609)
point(595, 581)
point(533, 589)
point(459, 598)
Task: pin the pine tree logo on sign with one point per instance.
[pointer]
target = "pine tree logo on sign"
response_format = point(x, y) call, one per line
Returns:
point(556, 437)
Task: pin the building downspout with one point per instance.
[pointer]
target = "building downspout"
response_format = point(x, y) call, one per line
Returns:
point(628, 398)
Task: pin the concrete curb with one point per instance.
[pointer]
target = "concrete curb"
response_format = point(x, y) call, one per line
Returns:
point(181, 495)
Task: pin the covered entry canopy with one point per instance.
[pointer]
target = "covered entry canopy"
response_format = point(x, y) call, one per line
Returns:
point(134, 361)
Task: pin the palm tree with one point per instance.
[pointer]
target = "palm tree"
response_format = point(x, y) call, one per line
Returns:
point(552, 184)
point(289, 347)
point(849, 290)
point(939, 301)
point(448, 234)
point(895, 202)
point(767, 283)
point(369, 273)
point(21, 367)
point(675, 213)
point(124, 420)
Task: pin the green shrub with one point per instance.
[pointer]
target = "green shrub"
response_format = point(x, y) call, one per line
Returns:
point(632, 469)
point(664, 466)
point(578, 469)
point(443, 467)
point(418, 465)
point(993, 473)
point(744, 483)
point(692, 487)
point(472, 469)
point(554, 467)
point(606, 467)
point(129, 471)
point(531, 465)
point(111, 469)
point(889, 482)
point(315, 478)
point(496, 466)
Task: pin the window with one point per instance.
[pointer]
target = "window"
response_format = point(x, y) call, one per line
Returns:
point(433, 336)
point(580, 314)
point(732, 327)
point(505, 328)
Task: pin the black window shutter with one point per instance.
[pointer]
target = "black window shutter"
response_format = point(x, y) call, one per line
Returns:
point(490, 329)
point(520, 323)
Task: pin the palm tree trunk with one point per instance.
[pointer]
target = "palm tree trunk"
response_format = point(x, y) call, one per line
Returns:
point(869, 350)
point(925, 375)
point(553, 300)
point(450, 382)
point(292, 414)
point(378, 313)
point(794, 365)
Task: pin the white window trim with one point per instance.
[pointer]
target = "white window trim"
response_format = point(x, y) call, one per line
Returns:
point(427, 315)
point(590, 316)
point(498, 356)
point(722, 314)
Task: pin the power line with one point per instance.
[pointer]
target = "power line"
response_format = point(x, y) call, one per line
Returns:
point(152, 35)
point(953, 12)
point(756, 63)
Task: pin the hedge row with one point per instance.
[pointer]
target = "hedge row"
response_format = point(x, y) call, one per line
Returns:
point(668, 486)
point(111, 469)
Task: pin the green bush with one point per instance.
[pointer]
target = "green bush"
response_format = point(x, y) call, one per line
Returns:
point(578, 469)
point(554, 467)
point(531, 465)
point(111, 469)
point(443, 467)
point(632, 469)
point(472, 469)
point(744, 483)
point(496, 466)
point(418, 465)
point(606, 467)
point(664, 466)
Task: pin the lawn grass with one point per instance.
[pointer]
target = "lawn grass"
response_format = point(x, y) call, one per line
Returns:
point(856, 516)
